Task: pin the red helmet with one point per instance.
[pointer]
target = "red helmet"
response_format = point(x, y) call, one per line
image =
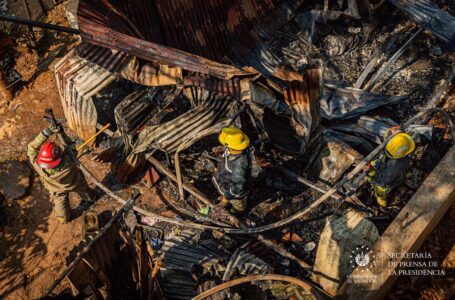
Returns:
point(49, 156)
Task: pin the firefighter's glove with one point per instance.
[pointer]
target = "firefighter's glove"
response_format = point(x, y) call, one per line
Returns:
point(56, 128)
point(47, 132)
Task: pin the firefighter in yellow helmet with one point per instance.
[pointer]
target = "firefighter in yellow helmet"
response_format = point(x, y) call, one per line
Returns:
point(234, 171)
point(389, 171)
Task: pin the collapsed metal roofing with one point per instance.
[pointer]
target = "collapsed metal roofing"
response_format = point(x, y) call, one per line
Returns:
point(219, 46)
point(186, 34)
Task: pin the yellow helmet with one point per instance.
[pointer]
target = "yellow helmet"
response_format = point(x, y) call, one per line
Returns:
point(234, 138)
point(400, 145)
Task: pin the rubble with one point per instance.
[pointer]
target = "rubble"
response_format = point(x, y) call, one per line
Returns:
point(316, 101)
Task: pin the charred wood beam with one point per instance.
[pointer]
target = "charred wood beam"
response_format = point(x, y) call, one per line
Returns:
point(385, 49)
point(441, 90)
point(188, 187)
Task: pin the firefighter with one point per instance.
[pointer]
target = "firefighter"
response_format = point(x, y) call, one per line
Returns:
point(58, 171)
point(389, 171)
point(234, 171)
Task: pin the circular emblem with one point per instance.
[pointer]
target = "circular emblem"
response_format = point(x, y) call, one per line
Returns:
point(362, 257)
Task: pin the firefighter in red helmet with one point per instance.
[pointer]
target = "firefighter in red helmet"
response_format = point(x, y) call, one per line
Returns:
point(58, 171)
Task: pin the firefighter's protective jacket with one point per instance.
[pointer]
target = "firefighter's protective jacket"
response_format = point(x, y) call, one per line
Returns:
point(233, 174)
point(388, 172)
point(66, 176)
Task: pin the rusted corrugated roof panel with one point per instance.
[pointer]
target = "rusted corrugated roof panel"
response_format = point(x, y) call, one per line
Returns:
point(102, 27)
point(168, 136)
point(211, 28)
point(217, 86)
point(184, 33)
point(102, 56)
point(78, 80)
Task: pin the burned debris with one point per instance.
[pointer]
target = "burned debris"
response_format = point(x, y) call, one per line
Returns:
point(323, 102)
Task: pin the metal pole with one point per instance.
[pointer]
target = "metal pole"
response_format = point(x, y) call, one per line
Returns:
point(33, 23)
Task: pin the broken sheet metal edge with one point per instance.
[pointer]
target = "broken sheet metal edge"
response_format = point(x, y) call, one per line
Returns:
point(428, 15)
point(373, 83)
point(100, 254)
point(354, 93)
point(78, 80)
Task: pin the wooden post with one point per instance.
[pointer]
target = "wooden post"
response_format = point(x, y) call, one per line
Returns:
point(407, 232)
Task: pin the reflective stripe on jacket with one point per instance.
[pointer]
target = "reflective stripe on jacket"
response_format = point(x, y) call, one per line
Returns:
point(388, 172)
point(233, 174)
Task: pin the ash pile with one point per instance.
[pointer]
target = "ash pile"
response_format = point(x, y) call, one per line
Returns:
point(315, 87)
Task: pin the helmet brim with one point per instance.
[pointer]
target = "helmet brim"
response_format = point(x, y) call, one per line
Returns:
point(411, 149)
point(239, 147)
point(48, 165)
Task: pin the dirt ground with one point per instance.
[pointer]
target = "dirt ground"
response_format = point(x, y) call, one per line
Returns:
point(34, 246)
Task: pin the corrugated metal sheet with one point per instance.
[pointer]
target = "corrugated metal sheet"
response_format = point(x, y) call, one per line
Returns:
point(168, 136)
point(184, 33)
point(141, 107)
point(100, 26)
point(78, 80)
point(137, 38)
point(103, 57)
point(214, 85)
